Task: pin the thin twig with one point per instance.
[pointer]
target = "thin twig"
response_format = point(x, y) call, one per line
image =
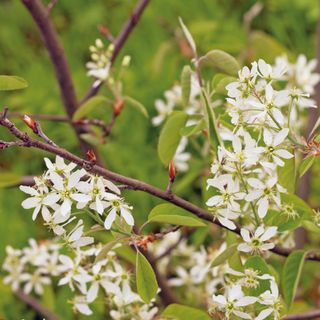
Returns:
point(120, 41)
point(36, 306)
point(50, 6)
point(135, 184)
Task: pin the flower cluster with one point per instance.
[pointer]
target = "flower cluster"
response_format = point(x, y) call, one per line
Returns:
point(63, 188)
point(245, 179)
point(33, 267)
point(193, 271)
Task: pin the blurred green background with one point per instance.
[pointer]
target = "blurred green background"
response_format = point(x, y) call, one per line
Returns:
point(158, 52)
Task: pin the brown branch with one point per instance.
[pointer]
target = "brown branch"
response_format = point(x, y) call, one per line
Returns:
point(120, 41)
point(36, 305)
point(50, 38)
point(133, 183)
point(315, 314)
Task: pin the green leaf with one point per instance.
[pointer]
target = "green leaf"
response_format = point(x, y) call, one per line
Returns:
point(89, 106)
point(8, 83)
point(220, 81)
point(220, 61)
point(193, 129)
point(234, 260)
point(91, 138)
point(181, 312)
point(8, 179)
point(287, 175)
point(168, 213)
point(315, 127)
point(213, 132)
point(260, 41)
point(105, 250)
point(291, 275)
point(305, 165)
point(225, 255)
point(186, 84)
point(137, 105)
point(170, 136)
point(147, 285)
point(188, 36)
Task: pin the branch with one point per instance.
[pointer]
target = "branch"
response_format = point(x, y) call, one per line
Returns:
point(299, 316)
point(36, 306)
point(120, 41)
point(132, 183)
point(50, 38)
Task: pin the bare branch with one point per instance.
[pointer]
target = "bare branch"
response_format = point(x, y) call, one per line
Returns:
point(120, 41)
point(36, 305)
point(132, 183)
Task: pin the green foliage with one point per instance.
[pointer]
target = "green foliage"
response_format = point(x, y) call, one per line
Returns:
point(8, 179)
point(170, 136)
point(90, 107)
point(291, 275)
point(214, 136)
point(137, 105)
point(220, 61)
point(186, 84)
point(222, 257)
point(147, 285)
point(8, 83)
point(168, 213)
point(305, 165)
point(181, 312)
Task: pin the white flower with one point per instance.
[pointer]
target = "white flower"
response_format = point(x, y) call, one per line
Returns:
point(81, 305)
point(225, 216)
point(249, 278)
point(270, 106)
point(59, 166)
point(273, 149)
point(232, 303)
point(34, 281)
point(66, 191)
point(75, 238)
point(117, 206)
point(264, 192)
point(272, 300)
point(271, 73)
point(74, 273)
point(95, 188)
point(256, 243)
point(303, 74)
point(38, 201)
point(229, 190)
point(181, 157)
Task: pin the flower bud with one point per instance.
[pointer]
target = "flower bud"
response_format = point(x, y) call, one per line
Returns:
point(118, 106)
point(172, 171)
point(91, 156)
point(30, 123)
point(126, 61)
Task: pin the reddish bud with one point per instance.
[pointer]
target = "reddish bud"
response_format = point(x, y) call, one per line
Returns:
point(30, 123)
point(205, 132)
point(104, 30)
point(3, 145)
point(80, 121)
point(91, 156)
point(172, 171)
point(118, 106)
